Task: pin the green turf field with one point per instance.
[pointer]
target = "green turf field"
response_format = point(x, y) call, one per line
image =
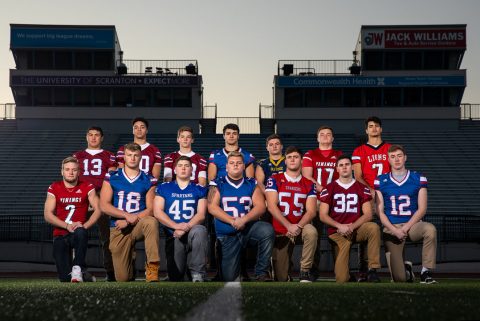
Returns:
point(51, 300)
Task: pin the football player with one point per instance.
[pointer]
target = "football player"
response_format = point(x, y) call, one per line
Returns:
point(292, 201)
point(151, 161)
point(180, 206)
point(237, 203)
point(94, 164)
point(199, 164)
point(346, 208)
point(401, 205)
point(275, 163)
point(127, 196)
point(218, 158)
point(66, 209)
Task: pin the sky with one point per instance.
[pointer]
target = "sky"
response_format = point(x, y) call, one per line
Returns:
point(238, 43)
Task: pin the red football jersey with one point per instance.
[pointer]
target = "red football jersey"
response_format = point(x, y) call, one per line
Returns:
point(94, 164)
point(324, 171)
point(345, 201)
point(374, 160)
point(199, 165)
point(150, 156)
point(292, 197)
point(71, 203)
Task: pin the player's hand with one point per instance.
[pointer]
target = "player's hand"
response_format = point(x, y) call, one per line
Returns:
point(345, 230)
point(293, 230)
point(76, 225)
point(318, 187)
point(238, 223)
point(179, 233)
point(70, 227)
point(120, 224)
point(405, 229)
point(183, 226)
point(400, 234)
point(131, 218)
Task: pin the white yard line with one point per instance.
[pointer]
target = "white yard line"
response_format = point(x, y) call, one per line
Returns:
point(224, 305)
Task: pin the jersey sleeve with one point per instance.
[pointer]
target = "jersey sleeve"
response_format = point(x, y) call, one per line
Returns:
point(201, 191)
point(312, 192)
point(325, 196)
point(159, 191)
point(168, 166)
point(271, 185)
point(90, 188)
point(376, 183)
point(423, 181)
point(120, 156)
point(251, 160)
point(366, 195)
point(307, 160)
point(211, 158)
point(356, 156)
point(158, 157)
point(153, 181)
point(202, 167)
point(51, 190)
point(112, 161)
point(107, 177)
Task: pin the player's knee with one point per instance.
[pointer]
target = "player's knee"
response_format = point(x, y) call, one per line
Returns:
point(199, 231)
point(150, 222)
point(310, 232)
point(430, 232)
point(80, 232)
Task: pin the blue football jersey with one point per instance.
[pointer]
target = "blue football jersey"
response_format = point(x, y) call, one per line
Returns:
point(219, 158)
point(180, 204)
point(271, 167)
point(400, 198)
point(129, 193)
point(235, 200)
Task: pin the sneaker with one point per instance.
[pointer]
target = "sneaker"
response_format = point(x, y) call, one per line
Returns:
point(426, 278)
point(89, 277)
point(362, 277)
point(151, 272)
point(197, 277)
point(372, 276)
point(352, 278)
point(263, 278)
point(410, 276)
point(76, 274)
point(305, 277)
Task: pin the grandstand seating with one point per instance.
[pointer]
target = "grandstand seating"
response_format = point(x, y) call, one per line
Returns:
point(31, 161)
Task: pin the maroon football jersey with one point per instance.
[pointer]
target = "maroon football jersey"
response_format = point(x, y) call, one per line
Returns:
point(199, 165)
point(71, 203)
point(292, 197)
point(94, 164)
point(324, 171)
point(345, 201)
point(374, 160)
point(150, 156)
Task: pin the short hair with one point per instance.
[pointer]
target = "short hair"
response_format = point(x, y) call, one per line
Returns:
point(133, 147)
point(293, 149)
point(235, 154)
point(341, 157)
point(396, 147)
point(324, 127)
point(231, 126)
point(143, 120)
point(183, 158)
point(375, 119)
point(69, 159)
point(274, 136)
point(184, 129)
point(98, 129)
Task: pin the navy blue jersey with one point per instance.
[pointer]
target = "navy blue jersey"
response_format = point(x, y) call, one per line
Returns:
point(235, 200)
point(219, 158)
point(180, 204)
point(129, 194)
point(271, 167)
point(400, 198)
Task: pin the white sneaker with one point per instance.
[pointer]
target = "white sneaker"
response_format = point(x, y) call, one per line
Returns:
point(76, 274)
point(197, 277)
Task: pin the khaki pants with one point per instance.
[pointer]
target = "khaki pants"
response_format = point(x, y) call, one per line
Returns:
point(283, 250)
point(122, 244)
point(394, 248)
point(368, 232)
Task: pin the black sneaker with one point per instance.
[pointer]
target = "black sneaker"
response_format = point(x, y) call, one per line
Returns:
point(352, 278)
point(305, 277)
point(372, 276)
point(263, 278)
point(426, 278)
point(362, 277)
point(410, 276)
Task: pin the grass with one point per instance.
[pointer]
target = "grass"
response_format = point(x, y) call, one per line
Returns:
point(51, 300)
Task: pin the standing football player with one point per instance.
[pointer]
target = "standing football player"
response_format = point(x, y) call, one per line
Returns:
point(94, 164)
point(346, 208)
point(292, 201)
point(199, 164)
point(151, 161)
point(275, 163)
point(401, 205)
point(66, 209)
point(180, 206)
point(127, 196)
point(218, 158)
point(237, 203)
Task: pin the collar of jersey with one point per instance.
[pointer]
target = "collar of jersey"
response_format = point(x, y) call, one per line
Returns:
point(291, 179)
point(145, 145)
point(226, 154)
point(230, 182)
point(402, 181)
point(131, 180)
point(277, 162)
point(94, 151)
point(187, 154)
point(345, 186)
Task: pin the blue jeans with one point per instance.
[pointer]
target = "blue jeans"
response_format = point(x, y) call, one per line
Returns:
point(258, 234)
point(62, 252)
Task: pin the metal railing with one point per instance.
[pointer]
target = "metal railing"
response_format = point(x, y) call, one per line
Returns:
point(209, 112)
point(33, 228)
point(7, 111)
point(266, 111)
point(160, 67)
point(470, 111)
point(314, 67)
